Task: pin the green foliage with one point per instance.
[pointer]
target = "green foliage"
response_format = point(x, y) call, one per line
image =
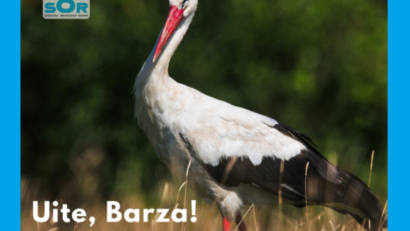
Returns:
point(319, 66)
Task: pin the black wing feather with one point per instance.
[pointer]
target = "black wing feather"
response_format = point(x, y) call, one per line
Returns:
point(317, 160)
point(326, 184)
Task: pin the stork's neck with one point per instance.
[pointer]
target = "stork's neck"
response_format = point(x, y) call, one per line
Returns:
point(160, 66)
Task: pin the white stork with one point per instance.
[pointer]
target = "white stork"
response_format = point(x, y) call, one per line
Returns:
point(236, 154)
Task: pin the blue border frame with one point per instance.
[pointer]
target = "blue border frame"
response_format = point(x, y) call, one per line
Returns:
point(398, 117)
point(398, 112)
point(10, 114)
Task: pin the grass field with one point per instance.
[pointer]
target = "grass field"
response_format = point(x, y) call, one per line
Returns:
point(171, 195)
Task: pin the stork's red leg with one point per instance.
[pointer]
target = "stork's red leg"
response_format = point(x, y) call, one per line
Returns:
point(226, 224)
point(240, 222)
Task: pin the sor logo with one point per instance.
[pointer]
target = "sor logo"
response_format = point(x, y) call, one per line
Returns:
point(66, 9)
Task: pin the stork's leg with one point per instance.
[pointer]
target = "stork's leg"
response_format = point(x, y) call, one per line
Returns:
point(240, 222)
point(226, 224)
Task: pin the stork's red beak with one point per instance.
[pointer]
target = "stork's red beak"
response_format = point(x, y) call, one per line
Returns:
point(174, 18)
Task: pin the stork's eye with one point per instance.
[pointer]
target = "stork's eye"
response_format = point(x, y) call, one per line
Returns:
point(183, 3)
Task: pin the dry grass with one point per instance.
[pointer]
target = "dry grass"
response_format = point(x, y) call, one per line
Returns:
point(208, 217)
point(177, 195)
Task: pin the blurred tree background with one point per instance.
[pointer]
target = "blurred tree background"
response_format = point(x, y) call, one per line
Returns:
point(319, 66)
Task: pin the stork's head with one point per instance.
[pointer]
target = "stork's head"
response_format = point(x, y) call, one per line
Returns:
point(180, 9)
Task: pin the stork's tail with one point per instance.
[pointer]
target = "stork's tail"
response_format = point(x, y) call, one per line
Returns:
point(347, 195)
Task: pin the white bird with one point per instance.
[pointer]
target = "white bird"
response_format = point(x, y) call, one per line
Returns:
point(236, 155)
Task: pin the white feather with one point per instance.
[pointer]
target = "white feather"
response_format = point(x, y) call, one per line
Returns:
point(214, 128)
point(180, 122)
